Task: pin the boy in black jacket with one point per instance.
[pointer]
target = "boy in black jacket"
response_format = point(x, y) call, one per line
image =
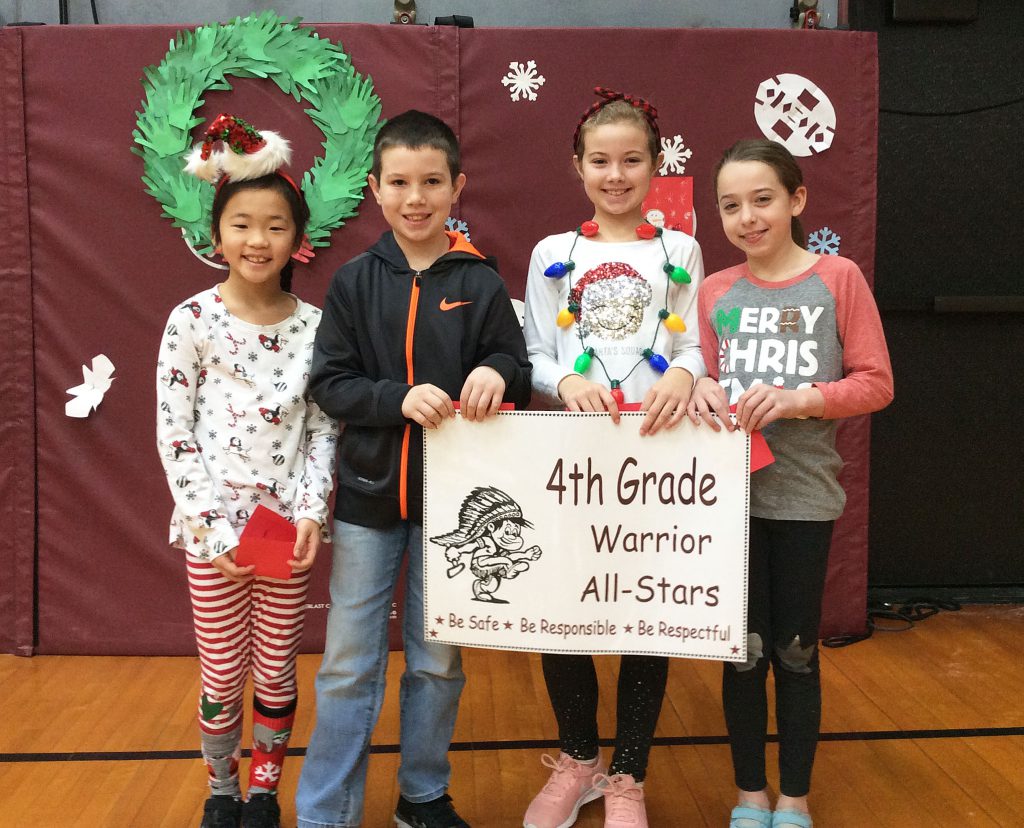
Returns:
point(416, 321)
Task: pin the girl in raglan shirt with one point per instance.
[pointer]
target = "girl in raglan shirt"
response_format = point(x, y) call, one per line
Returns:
point(794, 341)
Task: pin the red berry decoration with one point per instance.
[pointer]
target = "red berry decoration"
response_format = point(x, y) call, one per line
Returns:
point(646, 231)
point(618, 396)
point(589, 228)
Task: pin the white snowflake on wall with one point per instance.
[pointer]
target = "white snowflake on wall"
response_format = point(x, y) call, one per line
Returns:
point(457, 226)
point(824, 241)
point(267, 772)
point(675, 156)
point(523, 81)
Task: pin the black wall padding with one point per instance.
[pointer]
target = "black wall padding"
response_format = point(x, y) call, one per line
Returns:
point(947, 500)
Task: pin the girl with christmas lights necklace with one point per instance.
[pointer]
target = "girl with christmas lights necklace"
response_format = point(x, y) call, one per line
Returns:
point(611, 319)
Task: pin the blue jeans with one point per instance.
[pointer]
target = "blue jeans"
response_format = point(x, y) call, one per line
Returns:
point(350, 684)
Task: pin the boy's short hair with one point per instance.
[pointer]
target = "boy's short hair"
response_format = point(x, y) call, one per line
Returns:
point(414, 129)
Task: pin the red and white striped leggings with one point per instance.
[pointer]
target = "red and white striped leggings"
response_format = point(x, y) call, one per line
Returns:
point(243, 627)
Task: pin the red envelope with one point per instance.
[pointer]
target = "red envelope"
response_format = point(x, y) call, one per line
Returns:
point(266, 523)
point(268, 542)
point(760, 454)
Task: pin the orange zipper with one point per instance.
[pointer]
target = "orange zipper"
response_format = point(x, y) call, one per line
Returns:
point(410, 326)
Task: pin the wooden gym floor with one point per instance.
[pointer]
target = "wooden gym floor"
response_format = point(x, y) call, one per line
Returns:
point(921, 728)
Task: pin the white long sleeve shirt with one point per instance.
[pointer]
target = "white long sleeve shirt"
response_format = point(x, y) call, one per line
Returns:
point(619, 319)
point(235, 425)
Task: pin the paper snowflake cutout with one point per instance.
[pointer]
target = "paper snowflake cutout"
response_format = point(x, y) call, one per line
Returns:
point(457, 226)
point(89, 394)
point(675, 156)
point(523, 81)
point(795, 112)
point(267, 772)
point(824, 241)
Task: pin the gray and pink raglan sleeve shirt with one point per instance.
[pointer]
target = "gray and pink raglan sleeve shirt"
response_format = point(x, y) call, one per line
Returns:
point(820, 328)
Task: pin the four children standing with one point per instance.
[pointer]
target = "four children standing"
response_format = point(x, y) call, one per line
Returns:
point(420, 321)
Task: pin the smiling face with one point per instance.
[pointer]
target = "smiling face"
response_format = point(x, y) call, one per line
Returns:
point(256, 235)
point(415, 192)
point(506, 535)
point(616, 168)
point(756, 209)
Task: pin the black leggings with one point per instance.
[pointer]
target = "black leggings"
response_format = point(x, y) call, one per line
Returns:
point(572, 686)
point(788, 561)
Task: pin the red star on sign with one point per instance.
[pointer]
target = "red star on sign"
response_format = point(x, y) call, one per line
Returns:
point(433, 633)
point(439, 620)
point(629, 628)
point(735, 650)
point(508, 625)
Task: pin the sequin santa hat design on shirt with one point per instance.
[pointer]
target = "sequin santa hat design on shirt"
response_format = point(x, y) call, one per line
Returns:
point(610, 301)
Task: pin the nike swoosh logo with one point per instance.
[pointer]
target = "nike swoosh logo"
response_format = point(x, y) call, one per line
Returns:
point(447, 306)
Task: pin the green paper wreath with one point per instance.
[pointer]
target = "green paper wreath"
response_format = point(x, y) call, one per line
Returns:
point(311, 69)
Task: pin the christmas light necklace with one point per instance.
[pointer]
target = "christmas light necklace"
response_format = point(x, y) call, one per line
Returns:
point(567, 316)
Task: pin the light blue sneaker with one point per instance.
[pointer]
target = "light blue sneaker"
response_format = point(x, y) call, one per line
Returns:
point(791, 819)
point(747, 816)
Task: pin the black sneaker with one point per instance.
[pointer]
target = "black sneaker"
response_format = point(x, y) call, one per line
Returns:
point(261, 811)
point(222, 812)
point(438, 813)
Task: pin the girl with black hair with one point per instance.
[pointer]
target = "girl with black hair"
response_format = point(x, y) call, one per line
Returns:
point(232, 383)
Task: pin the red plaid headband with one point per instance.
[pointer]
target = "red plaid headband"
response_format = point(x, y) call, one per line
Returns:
point(607, 96)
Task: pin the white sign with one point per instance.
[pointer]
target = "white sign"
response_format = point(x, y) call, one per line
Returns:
point(564, 533)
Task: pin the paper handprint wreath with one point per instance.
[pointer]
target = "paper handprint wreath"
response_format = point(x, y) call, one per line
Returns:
point(311, 69)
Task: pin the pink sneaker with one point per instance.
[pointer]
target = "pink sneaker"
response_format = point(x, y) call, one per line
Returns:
point(623, 801)
point(570, 786)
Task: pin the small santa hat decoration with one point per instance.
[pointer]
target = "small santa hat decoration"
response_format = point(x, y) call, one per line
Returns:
point(245, 152)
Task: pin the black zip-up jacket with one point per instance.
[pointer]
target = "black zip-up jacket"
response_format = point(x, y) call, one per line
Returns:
point(386, 328)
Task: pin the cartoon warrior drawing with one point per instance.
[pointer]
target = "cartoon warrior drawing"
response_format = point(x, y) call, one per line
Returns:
point(490, 525)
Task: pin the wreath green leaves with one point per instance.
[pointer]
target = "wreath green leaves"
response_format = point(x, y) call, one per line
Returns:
point(302, 64)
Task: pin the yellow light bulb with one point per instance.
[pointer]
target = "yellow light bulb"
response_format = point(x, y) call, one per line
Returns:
point(675, 323)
